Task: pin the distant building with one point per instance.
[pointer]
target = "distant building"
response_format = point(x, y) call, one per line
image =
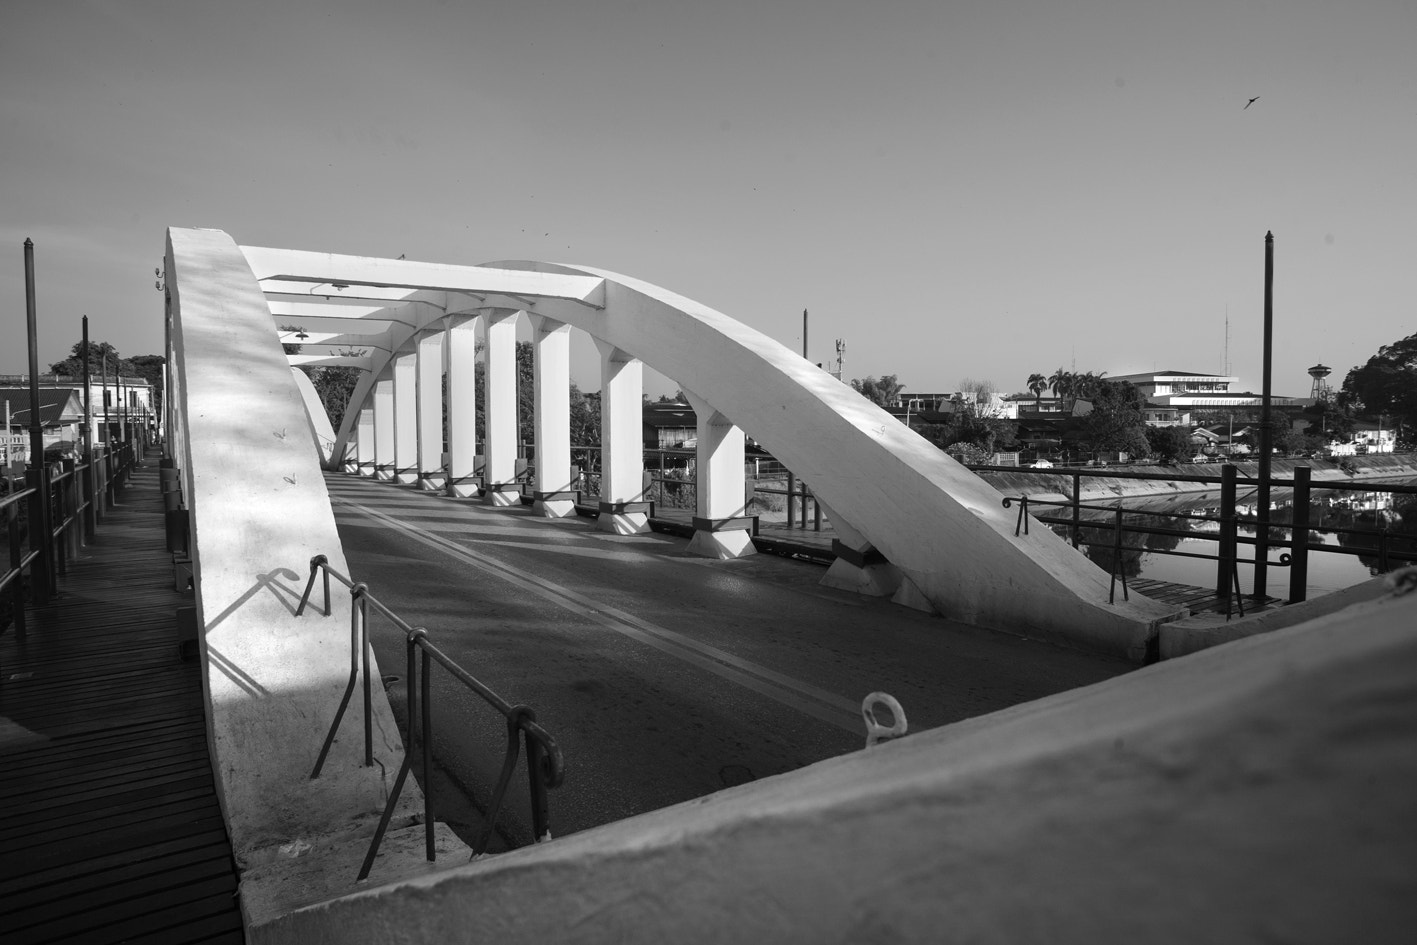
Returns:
point(1189, 389)
point(61, 410)
point(129, 399)
point(670, 426)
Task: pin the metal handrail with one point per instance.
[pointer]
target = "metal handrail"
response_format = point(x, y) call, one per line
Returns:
point(49, 491)
point(545, 764)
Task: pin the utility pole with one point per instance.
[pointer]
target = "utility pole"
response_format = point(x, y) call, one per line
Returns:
point(804, 333)
point(1262, 497)
point(41, 532)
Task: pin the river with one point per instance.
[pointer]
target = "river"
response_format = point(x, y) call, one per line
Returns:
point(1351, 523)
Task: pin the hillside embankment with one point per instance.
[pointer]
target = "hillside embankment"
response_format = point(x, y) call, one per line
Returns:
point(1042, 485)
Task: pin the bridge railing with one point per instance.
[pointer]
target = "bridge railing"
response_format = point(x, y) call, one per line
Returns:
point(55, 511)
point(1390, 548)
point(545, 765)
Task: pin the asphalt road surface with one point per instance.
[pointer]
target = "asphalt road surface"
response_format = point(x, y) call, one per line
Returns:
point(663, 677)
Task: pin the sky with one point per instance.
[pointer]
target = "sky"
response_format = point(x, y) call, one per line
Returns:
point(954, 189)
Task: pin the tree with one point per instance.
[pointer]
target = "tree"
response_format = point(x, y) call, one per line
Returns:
point(1386, 384)
point(976, 399)
point(1037, 384)
point(1115, 423)
point(1169, 443)
point(147, 366)
point(883, 391)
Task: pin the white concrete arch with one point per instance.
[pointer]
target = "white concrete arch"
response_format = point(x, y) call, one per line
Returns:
point(949, 542)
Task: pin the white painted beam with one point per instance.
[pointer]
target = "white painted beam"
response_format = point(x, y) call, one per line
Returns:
point(293, 265)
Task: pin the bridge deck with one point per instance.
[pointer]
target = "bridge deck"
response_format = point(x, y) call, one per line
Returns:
point(110, 828)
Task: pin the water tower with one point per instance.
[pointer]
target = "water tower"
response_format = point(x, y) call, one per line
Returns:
point(1320, 390)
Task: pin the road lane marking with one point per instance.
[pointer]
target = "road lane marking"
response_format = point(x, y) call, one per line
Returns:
point(794, 693)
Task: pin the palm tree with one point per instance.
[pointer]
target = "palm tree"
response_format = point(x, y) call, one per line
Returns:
point(1061, 382)
point(1037, 384)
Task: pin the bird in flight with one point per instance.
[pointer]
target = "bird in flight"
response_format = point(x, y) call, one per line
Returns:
point(1251, 102)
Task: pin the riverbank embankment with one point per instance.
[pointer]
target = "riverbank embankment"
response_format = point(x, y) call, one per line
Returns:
point(1097, 485)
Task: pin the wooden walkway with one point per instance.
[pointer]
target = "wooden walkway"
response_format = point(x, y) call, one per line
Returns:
point(110, 829)
point(1198, 598)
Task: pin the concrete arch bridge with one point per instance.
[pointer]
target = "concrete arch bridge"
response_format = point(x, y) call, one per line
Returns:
point(915, 523)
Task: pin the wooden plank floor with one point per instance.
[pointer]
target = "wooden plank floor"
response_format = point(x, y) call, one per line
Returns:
point(109, 825)
point(1198, 598)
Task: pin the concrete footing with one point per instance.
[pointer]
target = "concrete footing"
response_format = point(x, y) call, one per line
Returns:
point(722, 545)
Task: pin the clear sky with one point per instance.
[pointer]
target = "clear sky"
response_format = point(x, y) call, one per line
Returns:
point(956, 189)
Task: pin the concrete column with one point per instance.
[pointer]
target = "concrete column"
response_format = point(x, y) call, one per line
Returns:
point(429, 382)
point(364, 444)
point(552, 422)
point(623, 508)
point(461, 350)
point(406, 417)
point(499, 410)
point(384, 425)
point(721, 527)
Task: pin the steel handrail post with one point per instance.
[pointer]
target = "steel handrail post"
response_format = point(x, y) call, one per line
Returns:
point(426, 701)
point(60, 513)
point(12, 516)
point(1299, 538)
point(1077, 505)
point(315, 565)
point(509, 764)
point(41, 539)
point(368, 698)
point(791, 484)
point(1226, 566)
point(355, 629)
point(536, 775)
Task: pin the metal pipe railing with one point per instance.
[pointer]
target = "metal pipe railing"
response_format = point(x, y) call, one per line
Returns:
point(545, 765)
point(1299, 545)
point(49, 497)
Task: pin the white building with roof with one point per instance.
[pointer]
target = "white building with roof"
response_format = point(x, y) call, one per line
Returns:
point(1189, 389)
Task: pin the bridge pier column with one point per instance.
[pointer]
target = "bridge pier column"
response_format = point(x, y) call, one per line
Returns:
point(499, 411)
point(461, 342)
point(406, 417)
point(721, 529)
point(623, 508)
point(552, 422)
point(384, 463)
point(364, 443)
point(429, 383)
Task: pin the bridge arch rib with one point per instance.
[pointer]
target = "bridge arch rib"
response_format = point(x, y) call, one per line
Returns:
point(942, 529)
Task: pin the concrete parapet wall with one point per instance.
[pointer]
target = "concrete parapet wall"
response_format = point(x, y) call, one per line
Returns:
point(259, 513)
point(1260, 790)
